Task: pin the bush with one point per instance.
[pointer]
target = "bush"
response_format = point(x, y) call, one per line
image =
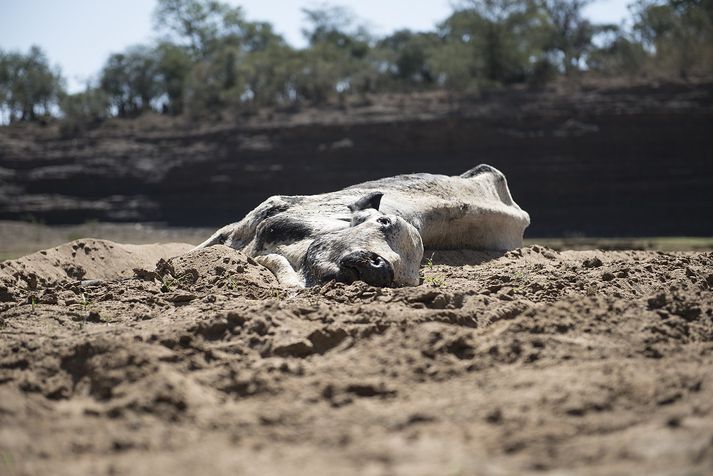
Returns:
point(83, 111)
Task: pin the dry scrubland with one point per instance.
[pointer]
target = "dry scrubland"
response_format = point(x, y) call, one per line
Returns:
point(121, 360)
point(576, 362)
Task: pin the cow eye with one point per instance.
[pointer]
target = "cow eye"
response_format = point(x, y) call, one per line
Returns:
point(383, 221)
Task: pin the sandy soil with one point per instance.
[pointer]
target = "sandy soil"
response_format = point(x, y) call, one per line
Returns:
point(535, 361)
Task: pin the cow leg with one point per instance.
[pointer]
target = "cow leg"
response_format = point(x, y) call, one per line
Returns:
point(282, 269)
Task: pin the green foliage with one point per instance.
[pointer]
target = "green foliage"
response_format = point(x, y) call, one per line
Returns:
point(269, 75)
point(428, 275)
point(335, 25)
point(83, 111)
point(570, 36)
point(173, 66)
point(213, 84)
point(211, 62)
point(679, 33)
point(337, 61)
point(620, 56)
point(131, 80)
point(488, 43)
point(29, 86)
point(200, 25)
point(454, 66)
point(405, 60)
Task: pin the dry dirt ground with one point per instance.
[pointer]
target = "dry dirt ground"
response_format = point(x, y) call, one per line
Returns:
point(116, 359)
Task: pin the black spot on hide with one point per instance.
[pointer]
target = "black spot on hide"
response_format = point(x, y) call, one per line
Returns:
point(272, 211)
point(311, 261)
point(281, 229)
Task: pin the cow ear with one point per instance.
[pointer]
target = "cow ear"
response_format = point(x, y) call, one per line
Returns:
point(370, 200)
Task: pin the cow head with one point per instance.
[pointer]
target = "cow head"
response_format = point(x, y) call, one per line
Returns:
point(379, 249)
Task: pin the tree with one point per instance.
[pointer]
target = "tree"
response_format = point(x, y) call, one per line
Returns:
point(224, 60)
point(5, 75)
point(454, 66)
point(115, 83)
point(213, 84)
point(337, 57)
point(618, 55)
point(406, 57)
point(212, 60)
point(173, 66)
point(270, 75)
point(131, 80)
point(571, 35)
point(502, 40)
point(84, 110)
point(201, 24)
point(678, 33)
point(29, 86)
point(259, 36)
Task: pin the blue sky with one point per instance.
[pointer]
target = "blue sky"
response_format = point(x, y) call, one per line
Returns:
point(78, 35)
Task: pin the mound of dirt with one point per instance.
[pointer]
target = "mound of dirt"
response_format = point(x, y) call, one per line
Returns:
point(85, 259)
point(219, 266)
point(530, 361)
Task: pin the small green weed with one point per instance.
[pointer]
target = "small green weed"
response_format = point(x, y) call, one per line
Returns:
point(434, 280)
point(168, 283)
point(430, 278)
point(429, 261)
point(8, 461)
point(86, 302)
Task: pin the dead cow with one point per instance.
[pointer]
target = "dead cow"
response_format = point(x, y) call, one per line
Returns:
point(376, 231)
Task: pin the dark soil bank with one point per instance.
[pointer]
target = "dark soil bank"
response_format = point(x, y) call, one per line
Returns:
point(626, 161)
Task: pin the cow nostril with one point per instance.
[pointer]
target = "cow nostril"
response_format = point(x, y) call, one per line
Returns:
point(366, 266)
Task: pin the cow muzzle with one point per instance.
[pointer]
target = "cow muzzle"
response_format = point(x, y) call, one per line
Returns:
point(365, 266)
